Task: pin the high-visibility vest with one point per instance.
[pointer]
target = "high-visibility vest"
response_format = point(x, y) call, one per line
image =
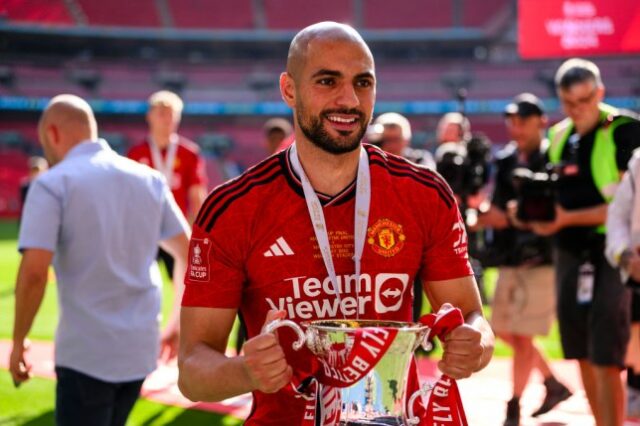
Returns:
point(604, 167)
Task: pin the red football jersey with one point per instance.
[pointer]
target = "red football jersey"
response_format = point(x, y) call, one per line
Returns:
point(188, 168)
point(253, 248)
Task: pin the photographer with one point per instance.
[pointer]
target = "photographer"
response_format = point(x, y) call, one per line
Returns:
point(392, 133)
point(464, 164)
point(524, 300)
point(454, 126)
point(589, 150)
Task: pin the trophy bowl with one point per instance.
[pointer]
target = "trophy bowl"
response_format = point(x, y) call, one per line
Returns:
point(366, 364)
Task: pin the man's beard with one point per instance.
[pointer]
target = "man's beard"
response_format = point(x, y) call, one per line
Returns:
point(316, 133)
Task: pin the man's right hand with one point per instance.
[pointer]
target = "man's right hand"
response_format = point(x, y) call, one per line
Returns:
point(264, 360)
point(18, 367)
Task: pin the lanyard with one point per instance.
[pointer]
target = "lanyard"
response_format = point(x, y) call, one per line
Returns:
point(165, 167)
point(361, 218)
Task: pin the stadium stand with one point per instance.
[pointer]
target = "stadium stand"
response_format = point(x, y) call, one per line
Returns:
point(48, 12)
point(288, 15)
point(479, 13)
point(212, 14)
point(139, 13)
point(251, 14)
point(244, 81)
point(408, 14)
point(224, 58)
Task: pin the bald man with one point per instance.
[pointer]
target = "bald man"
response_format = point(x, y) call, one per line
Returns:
point(102, 216)
point(286, 262)
point(453, 127)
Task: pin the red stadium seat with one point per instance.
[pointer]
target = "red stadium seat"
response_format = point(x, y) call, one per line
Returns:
point(212, 14)
point(125, 13)
point(294, 15)
point(478, 13)
point(41, 11)
point(407, 14)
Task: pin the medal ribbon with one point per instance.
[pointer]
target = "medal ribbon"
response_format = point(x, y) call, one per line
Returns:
point(165, 167)
point(361, 218)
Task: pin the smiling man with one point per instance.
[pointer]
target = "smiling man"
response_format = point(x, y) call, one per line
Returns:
point(307, 255)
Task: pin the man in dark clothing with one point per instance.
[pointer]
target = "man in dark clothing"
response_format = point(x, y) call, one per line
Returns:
point(524, 300)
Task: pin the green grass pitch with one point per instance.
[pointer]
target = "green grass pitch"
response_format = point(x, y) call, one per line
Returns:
point(32, 404)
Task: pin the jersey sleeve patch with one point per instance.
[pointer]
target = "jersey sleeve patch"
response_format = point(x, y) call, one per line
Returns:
point(199, 269)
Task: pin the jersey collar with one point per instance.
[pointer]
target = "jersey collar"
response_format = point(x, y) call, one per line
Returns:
point(326, 200)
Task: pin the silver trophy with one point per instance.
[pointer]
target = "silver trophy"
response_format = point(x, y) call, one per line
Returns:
point(366, 364)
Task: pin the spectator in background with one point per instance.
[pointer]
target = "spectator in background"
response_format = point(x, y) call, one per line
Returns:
point(173, 155)
point(102, 216)
point(623, 251)
point(524, 300)
point(392, 132)
point(453, 127)
point(589, 150)
point(36, 165)
point(276, 130)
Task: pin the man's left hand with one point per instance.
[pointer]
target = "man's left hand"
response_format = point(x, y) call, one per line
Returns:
point(549, 228)
point(462, 352)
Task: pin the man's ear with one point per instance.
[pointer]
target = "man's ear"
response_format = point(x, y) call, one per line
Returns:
point(288, 89)
point(53, 134)
point(601, 93)
point(544, 121)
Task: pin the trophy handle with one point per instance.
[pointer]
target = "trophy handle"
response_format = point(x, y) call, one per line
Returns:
point(277, 323)
point(426, 343)
point(423, 391)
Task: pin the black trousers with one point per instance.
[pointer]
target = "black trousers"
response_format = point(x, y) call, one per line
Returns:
point(84, 400)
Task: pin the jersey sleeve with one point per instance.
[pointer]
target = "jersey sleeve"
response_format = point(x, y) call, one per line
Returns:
point(41, 218)
point(445, 255)
point(215, 274)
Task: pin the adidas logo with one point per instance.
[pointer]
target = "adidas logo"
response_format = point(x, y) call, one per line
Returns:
point(280, 248)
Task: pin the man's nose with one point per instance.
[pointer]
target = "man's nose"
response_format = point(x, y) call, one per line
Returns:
point(347, 97)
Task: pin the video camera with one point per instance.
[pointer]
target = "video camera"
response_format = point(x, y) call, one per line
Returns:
point(536, 194)
point(465, 165)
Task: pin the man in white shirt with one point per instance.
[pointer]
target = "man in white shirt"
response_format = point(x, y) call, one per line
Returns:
point(99, 218)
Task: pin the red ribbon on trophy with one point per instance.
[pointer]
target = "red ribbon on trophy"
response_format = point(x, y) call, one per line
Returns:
point(445, 405)
point(369, 346)
point(321, 388)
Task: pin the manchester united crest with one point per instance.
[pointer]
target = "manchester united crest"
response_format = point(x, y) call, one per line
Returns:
point(386, 237)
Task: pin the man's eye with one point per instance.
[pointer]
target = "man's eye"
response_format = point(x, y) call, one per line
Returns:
point(325, 81)
point(364, 83)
